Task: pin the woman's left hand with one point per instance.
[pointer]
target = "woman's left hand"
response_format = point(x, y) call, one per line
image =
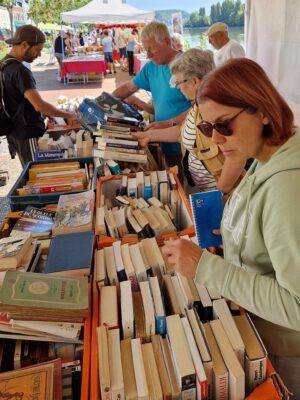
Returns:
point(184, 255)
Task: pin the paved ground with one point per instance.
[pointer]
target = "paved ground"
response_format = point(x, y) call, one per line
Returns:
point(49, 88)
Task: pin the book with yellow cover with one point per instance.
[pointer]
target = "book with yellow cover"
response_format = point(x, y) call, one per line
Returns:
point(52, 167)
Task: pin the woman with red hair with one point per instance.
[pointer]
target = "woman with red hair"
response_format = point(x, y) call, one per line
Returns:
point(243, 113)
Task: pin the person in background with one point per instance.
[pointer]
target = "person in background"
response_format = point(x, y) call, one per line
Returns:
point(62, 45)
point(20, 89)
point(81, 39)
point(177, 42)
point(188, 70)
point(121, 42)
point(227, 48)
point(107, 49)
point(131, 43)
point(74, 41)
point(245, 116)
point(169, 104)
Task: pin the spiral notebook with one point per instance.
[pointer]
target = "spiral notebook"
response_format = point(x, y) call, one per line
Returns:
point(207, 208)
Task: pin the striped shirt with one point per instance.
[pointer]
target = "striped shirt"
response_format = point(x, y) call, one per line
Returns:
point(202, 178)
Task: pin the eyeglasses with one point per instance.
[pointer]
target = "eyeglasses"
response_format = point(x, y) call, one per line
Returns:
point(177, 84)
point(224, 128)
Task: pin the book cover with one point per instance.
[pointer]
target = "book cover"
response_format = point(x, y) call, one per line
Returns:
point(37, 221)
point(71, 253)
point(207, 209)
point(12, 250)
point(43, 291)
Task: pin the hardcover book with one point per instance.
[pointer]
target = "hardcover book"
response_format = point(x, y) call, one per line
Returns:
point(38, 222)
point(12, 250)
point(207, 208)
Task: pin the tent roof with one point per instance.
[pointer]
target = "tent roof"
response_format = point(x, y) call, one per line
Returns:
point(107, 12)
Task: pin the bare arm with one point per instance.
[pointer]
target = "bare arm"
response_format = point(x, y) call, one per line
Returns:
point(33, 96)
point(231, 172)
point(125, 90)
point(158, 135)
point(140, 104)
point(168, 123)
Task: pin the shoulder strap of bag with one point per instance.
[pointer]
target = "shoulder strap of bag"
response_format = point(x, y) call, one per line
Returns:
point(208, 152)
point(3, 64)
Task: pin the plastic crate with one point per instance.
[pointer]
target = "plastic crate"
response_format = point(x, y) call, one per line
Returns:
point(19, 203)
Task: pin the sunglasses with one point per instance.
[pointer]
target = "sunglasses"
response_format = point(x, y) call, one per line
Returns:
point(224, 128)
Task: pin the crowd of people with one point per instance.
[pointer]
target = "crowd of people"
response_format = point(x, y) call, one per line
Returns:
point(215, 112)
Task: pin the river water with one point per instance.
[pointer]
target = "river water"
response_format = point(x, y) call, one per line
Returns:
point(194, 37)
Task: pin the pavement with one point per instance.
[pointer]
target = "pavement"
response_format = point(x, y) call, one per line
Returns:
point(45, 74)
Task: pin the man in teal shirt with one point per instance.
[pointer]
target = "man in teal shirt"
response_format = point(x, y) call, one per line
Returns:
point(169, 104)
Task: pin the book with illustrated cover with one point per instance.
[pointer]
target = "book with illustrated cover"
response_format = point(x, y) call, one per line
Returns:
point(74, 213)
point(13, 249)
point(207, 208)
point(37, 221)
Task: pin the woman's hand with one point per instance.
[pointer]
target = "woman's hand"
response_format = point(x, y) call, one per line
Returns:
point(158, 125)
point(142, 137)
point(184, 255)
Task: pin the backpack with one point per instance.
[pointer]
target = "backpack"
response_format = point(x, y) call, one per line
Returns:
point(6, 120)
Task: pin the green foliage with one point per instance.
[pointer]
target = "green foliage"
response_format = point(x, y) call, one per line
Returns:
point(50, 10)
point(229, 11)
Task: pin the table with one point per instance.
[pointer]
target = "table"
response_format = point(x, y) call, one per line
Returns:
point(83, 65)
point(139, 60)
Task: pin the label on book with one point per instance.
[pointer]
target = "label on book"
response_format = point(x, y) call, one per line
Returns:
point(41, 155)
point(207, 208)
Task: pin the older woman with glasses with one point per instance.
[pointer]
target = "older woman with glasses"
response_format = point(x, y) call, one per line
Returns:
point(243, 113)
point(204, 164)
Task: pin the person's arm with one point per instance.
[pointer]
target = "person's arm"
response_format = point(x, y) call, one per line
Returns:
point(231, 172)
point(158, 135)
point(33, 96)
point(140, 104)
point(68, 45)
point(168, 123)
point(125, 90)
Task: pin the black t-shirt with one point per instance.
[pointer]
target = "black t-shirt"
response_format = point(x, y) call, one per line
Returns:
point(18, 79)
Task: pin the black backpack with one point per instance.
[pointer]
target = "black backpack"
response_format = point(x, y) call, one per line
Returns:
point(6, 120)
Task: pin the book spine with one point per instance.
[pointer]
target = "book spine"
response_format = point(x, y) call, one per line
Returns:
point(118, 394)
point(122, 275)
point(121, 148)
point(255, 372)
point(160, 325)
point(221, 389)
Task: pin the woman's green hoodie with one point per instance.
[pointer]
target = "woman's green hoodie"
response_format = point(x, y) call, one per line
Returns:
point(261, 235)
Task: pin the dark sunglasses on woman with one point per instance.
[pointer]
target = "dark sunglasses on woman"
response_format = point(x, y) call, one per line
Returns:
point(224, 128)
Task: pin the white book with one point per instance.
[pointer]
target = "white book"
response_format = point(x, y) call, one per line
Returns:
point(119, 261)
point(140, 183)
point(115, 365)
point(132, 187)
point(202, 386)
point(183, 362)
point(179, 294)
point(236, 372)
point(148, 309)
point(221, 310)
point(139, 370)
point(127, 310)
point(163, 186)
point(103, 363)
point(186, 290)
point(138, 262)
point(129, 268)
point(154, 183)
point(108, 310)
point(111, 268)
point(100, 221)
point(100, 268)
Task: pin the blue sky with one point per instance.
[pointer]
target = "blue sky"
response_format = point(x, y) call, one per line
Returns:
point(186, 5)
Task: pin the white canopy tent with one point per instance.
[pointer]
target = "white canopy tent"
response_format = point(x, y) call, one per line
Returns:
point(107, 12)
point(273, 40)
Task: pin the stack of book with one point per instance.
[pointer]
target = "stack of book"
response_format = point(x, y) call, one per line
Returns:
point(161, 335)
point(117, 143)
point(55, 177)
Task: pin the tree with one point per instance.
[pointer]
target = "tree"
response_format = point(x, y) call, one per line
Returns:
point(9, 4)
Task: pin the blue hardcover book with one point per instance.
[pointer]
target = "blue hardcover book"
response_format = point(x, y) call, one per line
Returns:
point(160, 325)
point(207, 208)
point(71, 254)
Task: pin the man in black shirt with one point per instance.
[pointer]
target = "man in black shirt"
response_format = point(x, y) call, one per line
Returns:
point(20, 88)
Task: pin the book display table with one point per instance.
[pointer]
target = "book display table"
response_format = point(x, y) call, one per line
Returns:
point(83, 66)
point(139, 61)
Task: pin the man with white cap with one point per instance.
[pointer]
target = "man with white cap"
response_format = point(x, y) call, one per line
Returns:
point(227, 48)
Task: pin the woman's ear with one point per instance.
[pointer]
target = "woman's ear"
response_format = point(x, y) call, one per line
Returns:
point(264, 119)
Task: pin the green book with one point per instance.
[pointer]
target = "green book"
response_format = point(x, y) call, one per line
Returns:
point(43, 291)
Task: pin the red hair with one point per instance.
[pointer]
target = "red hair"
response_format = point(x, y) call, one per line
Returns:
point(242, 83)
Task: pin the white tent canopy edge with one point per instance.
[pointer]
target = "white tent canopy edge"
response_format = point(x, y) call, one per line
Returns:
point(107, 12)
